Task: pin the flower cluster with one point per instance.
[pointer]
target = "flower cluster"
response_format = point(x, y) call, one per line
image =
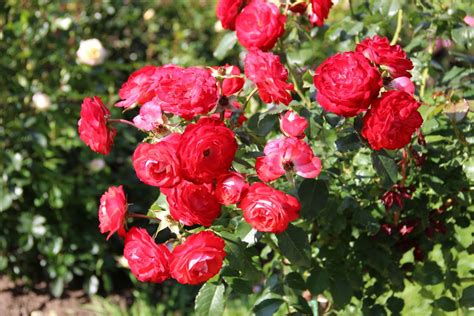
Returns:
point(349, 83)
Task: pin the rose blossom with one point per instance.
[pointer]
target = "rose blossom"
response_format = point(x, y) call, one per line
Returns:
point(269, 210)
point(391, 120)
point(91, 52)
point(138, 88)
point(230, 86)
point(206, 150)
point(270, 76)
point(469, 20)
point(112, 210)
point(92, 126)
point(293, 125)
point(319, 11)
point(347, 83)
point(287, 154)
point(230, 188)
point(147, 260)
point(192, 204)
point(259, 25)
point(403, 84)
point(149, 118)
point(185, 92)
point(157, 164)
point(198, 259)
point(227, 11)
point(379, 51)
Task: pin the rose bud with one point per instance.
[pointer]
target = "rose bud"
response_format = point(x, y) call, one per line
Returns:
point(230, 188)
point(231, 86)
point(198, 259)
point(112, 211)
point(293, 125)
point(347, 83)
point(319, 11)
point(157, 164)
point(259, 25)
point(379, 51)
point(270, 76)
point(139, 88)
point(93, 128)
point(227, 11)
point(206, 150)
point(403, 84)
point(147, 260)
point(287, 155)
point(391, 120)
point(192, 204)
point(269, 210)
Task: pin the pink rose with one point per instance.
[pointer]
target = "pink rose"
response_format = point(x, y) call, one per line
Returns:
point(150, 117)
point(403, 84)
point(230, 188)
point(112, 211)
point(287, 154)
point(293, 125)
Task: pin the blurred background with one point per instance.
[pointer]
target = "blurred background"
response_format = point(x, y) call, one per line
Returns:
point(51, 182)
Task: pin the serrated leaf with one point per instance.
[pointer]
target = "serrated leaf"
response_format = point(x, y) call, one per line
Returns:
point(385, 167)
point(293, 244)
point(313, 195)
point(210, 300)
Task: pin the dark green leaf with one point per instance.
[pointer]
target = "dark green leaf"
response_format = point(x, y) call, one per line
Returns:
point(293, 244)
point(445, 303)
point(313, 195)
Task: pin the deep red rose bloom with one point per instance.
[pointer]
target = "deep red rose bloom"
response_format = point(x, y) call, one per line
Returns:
point(206, 151)
point(379, 51)
point(392, 120)
point(147, 260)
point(347, 83)
point(270, 76)
point(293, 125)
point(112, 210)
point(92, 126)
point(319, 11)
point(259, 25)
point(230, 86)
point(287, 154)
point(227, 11)
point(198, 259)
point(230, 188)
point(157, 164)
point(269, 210)
point(138, 88)
point(185, 92)
point(192, 204)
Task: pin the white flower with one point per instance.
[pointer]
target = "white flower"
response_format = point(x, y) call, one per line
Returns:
point(63, 23)
point(149, 14)
point(91, 52)
point(41, 101)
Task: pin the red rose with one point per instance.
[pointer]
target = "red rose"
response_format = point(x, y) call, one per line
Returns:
point(270, 76)
point(259, 25)
point(347, 83)
point(269, 210)
point(391, 120)
point(147, 260)
point(192, 204)
point(230, 188)
point(112, 210)
point(319, 11)
point(206, 150)
point(230, 85)
point(287, 154)
point(92, 126)
point(198, 259)
point(185, 92)
point(157, 164)
point(379, 51)
point(227, 11)
point(293, 125)
point(138, 88)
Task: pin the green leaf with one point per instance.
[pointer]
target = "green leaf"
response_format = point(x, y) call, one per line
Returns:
point(467, 298)
point(385, 167)
point(341, 291)
point(318, 281)
point(313, 195)
point(395, 305)
point(445, 303)
point(239, 259)
point(293, 244)
point(57, 287)
point(468, 168)
point(210, 300)
point(227, 42)
point(295, 281)
point(267, 304)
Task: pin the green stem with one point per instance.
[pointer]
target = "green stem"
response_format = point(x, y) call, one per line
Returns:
point(142, 216)
point(122, 121)
point(399, 27)
point(297, 89)
point(247, 100)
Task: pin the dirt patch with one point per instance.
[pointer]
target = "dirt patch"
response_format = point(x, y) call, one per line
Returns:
point(16, 300)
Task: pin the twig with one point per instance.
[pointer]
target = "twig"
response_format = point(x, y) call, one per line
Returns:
point(399, 27)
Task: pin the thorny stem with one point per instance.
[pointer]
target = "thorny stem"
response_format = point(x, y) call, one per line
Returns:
point(142, 216)
point(122, 121)
point(297, 89)
point(399, 27)
point(247, 100)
